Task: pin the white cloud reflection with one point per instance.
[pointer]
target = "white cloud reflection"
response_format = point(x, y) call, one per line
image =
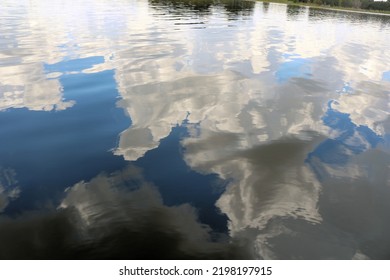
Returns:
point(268, 181)
point(246, 126)
point(27, 46)
point(182, 72)
point(26, 86)
point(36, 33)
point(229, 92)
point(368, 105)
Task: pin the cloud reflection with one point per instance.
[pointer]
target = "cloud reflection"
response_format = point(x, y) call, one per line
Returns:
point(249, 90)
point(117, 216)
point(9, 187)
point(251, 130)
point(23, 80)
point(368, 105)
point(268, 181)
point(26, 86)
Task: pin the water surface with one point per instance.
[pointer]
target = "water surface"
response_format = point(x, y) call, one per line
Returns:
point(171, 129)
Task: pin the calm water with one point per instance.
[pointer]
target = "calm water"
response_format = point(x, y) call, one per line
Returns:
point(193, 129)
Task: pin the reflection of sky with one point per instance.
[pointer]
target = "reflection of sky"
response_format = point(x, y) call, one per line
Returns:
point(351, 138)
point(296, 67)
point(75, 65)
point(119, 215)
point(221, 117)
point(67, 140)
point(179, 184)
point(386, 76)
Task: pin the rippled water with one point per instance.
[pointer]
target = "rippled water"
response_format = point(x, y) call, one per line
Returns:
point(193, 129)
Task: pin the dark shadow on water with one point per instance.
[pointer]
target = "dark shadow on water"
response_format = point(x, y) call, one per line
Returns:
point(115, 216)
point(182, 6)
point(295, 12)
point(235, 8)
point(319, 14)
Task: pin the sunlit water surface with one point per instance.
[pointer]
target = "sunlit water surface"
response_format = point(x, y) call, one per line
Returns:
point(193, 129)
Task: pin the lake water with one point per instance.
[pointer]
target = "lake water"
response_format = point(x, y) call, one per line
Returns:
point(171, 129)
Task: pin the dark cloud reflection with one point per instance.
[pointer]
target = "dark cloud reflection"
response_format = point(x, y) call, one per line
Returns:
point(119, 216)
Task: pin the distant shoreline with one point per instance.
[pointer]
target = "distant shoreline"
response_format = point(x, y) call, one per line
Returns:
point(315, 6)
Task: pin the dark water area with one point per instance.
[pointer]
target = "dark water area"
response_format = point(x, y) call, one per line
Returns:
point(193, 129)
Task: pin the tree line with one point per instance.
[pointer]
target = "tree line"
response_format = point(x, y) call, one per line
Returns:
point(357, 4)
